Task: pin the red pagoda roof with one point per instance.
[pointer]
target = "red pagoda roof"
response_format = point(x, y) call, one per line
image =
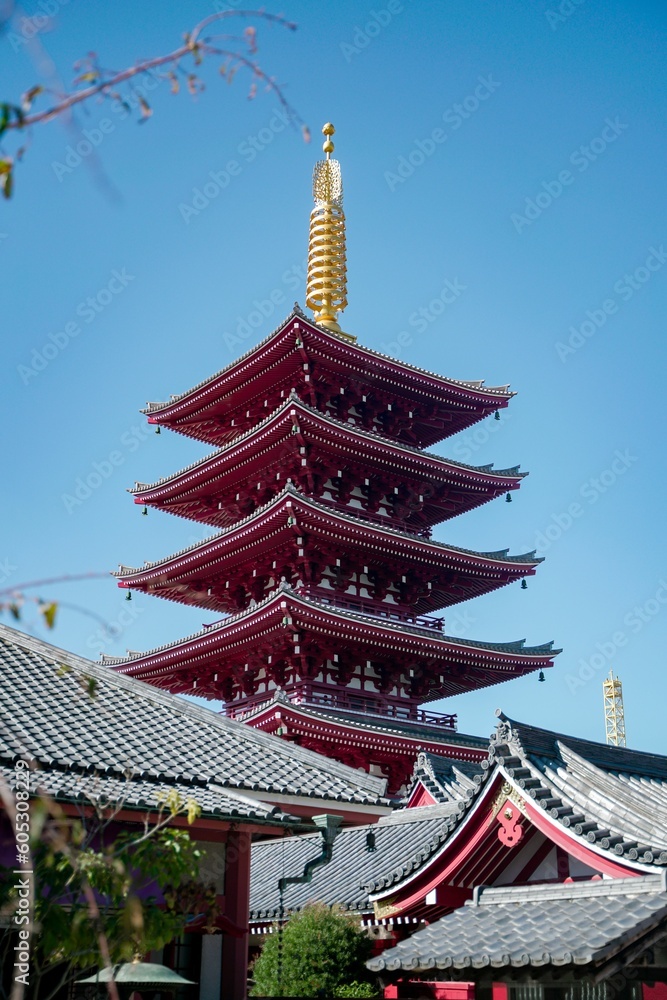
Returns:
point(405, 402)
point(300, 443)
point(301, 536)
point(432, 732)
point(287, 623)
point(359, 737)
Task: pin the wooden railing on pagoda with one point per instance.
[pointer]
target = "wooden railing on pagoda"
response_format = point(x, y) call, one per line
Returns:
point(385, 520)
point(313, 696)
point(380, 609)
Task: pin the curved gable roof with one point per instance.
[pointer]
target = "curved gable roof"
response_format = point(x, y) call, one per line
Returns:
point(610, 800)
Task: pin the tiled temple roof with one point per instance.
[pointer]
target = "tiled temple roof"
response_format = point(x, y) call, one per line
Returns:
point(623, 787)
point(611, 799)
point(80, 786)
point(341, 881)
point(580, 924)
point(81, 723)
point(446, 779)
point(610, 796)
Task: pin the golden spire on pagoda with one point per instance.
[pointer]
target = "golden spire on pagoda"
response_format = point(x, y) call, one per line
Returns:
point(326, 289)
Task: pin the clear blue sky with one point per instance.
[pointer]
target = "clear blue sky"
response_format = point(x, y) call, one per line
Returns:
point(541, 197)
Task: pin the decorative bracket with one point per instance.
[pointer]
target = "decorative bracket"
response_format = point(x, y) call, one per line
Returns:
point(508, 809)
point(510, 831)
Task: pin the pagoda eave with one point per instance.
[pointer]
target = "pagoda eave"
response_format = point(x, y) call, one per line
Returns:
point(296, 535)
point(356, 741)
point(299, 353)
point(368, 730)
point(299, 443)
point(292, 627)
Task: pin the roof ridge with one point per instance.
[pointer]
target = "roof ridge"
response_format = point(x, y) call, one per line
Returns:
point(372, 785)
point(513, 729)
point(512, 472)
point(476, 385)
point(292, 489)
point(493, 895)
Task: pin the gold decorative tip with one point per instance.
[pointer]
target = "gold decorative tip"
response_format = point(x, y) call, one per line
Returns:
point(328, 146)
point(326, 289)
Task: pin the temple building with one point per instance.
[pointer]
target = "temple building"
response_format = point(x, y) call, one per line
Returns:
point(106, 749)
point(538, 874)
point(329, 586)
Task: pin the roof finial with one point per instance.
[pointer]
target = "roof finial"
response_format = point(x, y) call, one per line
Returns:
point(326, 290)
point(327, 145)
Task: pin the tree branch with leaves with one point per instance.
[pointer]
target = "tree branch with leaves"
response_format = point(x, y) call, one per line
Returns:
point(238, 51)
point(105, 892)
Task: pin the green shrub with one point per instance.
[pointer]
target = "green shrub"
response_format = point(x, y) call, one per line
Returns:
point(323, 952)
point(357, 989)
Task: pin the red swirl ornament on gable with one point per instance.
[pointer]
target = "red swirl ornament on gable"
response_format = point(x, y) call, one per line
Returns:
point(510, 830)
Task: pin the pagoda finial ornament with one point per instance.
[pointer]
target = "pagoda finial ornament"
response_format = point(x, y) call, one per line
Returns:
point(326, 289)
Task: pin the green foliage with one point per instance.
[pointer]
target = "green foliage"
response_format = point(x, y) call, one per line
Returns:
point(131, 887)
point(323, 952)
point(357, 989)
point(47, 609)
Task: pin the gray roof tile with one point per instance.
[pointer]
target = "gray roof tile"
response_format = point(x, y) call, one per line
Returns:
point(446, 778)
point(561, 925)
point(592, 788)
point(48, 715)
point(612, 797)
point(404, 833)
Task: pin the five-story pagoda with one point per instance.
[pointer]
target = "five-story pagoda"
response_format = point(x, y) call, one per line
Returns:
point(324, 567)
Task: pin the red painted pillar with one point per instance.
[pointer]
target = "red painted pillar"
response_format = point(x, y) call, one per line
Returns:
point(237, 909)
point(499, 991)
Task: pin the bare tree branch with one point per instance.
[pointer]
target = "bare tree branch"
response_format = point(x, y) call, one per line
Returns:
point(15, 118)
